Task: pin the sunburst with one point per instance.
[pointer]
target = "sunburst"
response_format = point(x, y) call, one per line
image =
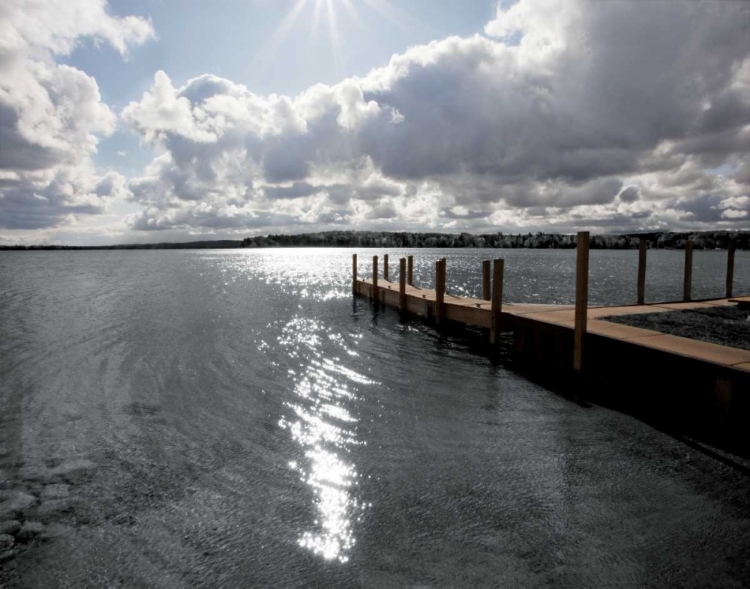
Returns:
point(330, 11)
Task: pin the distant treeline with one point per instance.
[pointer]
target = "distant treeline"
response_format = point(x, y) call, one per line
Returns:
point(189, 245)
point(701, 240)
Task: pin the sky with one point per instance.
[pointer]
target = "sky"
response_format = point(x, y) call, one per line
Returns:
point(156, 120)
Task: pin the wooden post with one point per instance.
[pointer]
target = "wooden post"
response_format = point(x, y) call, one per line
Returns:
point(385, 267)
point(486, 281)
point(410, 275)
point(688, 282)
point(354, 273)
point(497, 299)
point(730, 267)
point(642, 271)
point(375, 278)
point(402, 285)
point(582, 298)
point(440, 291)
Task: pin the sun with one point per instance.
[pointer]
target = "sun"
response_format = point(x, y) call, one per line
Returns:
point(330, 11)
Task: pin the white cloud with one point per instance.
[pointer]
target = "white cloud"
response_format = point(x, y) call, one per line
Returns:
point(51, 115)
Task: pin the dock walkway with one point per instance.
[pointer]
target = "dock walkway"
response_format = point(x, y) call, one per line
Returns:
point(667, 369)
point(421, 302)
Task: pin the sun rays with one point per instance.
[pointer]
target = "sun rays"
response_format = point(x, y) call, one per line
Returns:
point(339, 16)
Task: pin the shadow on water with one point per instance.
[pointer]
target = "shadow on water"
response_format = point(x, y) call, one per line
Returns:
point(651, 403)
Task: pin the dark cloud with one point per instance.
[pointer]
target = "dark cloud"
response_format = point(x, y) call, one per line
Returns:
point(630, 194)
point(48, 207)
point(296, 190)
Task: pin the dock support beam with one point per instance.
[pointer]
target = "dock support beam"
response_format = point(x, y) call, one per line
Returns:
point(440, 291)
point(410, 271)
point(582, 298)
point(402, 285)
point(497, 299)
point(375, 293)
point(642, 271)
point(687, 285)
point(385, 267)
point(354, 273)
point(730, 267)
point(486, 282)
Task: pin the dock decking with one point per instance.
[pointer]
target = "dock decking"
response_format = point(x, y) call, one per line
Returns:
point(470, 311)
point(577, 337)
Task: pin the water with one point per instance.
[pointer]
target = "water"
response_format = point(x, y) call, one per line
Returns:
point(235, 418)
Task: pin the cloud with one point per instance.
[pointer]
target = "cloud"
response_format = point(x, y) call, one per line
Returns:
point(557, 108)
point(563, 114)
point(51, 115)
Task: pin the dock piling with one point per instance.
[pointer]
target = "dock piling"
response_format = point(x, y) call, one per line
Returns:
point(497, 299)
point(354, 273)
point(385, 267)
point(688, 281)
point(642, 271)
point(375, 296)
point(730, 267)
point(410, 271)
point(440, 291)
point(486, 281)
point(402, 285)
point(582, 299)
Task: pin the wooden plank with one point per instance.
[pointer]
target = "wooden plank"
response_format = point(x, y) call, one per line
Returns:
point(402, 284)
point(467, 315)
point(354, 273)
point(439, 290)
point(730, 267)
point(374, 290)
point(687, 285)
point(582, 299)
point(642, 245)
point(385, 267)
point(410, 271)
point(497, 300)
point(486, 281)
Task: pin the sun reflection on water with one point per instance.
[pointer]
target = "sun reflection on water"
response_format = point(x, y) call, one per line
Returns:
point(322, 422)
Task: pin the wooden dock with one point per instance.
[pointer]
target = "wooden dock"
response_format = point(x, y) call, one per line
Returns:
point(576, 336)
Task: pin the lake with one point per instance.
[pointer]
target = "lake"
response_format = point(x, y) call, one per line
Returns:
point(231, 418)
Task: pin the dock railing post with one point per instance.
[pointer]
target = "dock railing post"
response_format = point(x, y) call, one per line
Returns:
point(486, 281)
point(582, 296)
point(375, 278)
point(730, 267)
point(642, 245)
point(354, 273)
point(385, 268)
point(440, 291)
point(402, 285)
point(688, 281)
point(410, 271)
point(497, 299)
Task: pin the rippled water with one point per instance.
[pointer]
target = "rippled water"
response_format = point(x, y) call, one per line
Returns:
point(235, 418)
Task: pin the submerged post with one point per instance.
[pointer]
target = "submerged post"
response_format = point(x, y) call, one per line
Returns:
point(642, 271)
point(385, 267)
point(497, 299)
point(354, 273)
point(486, 281)
point(410, 275)
point(402, 285)
point(582, 298)
point(688, 281)
point(440, 290)
point(730, 267)
point(375, 278)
